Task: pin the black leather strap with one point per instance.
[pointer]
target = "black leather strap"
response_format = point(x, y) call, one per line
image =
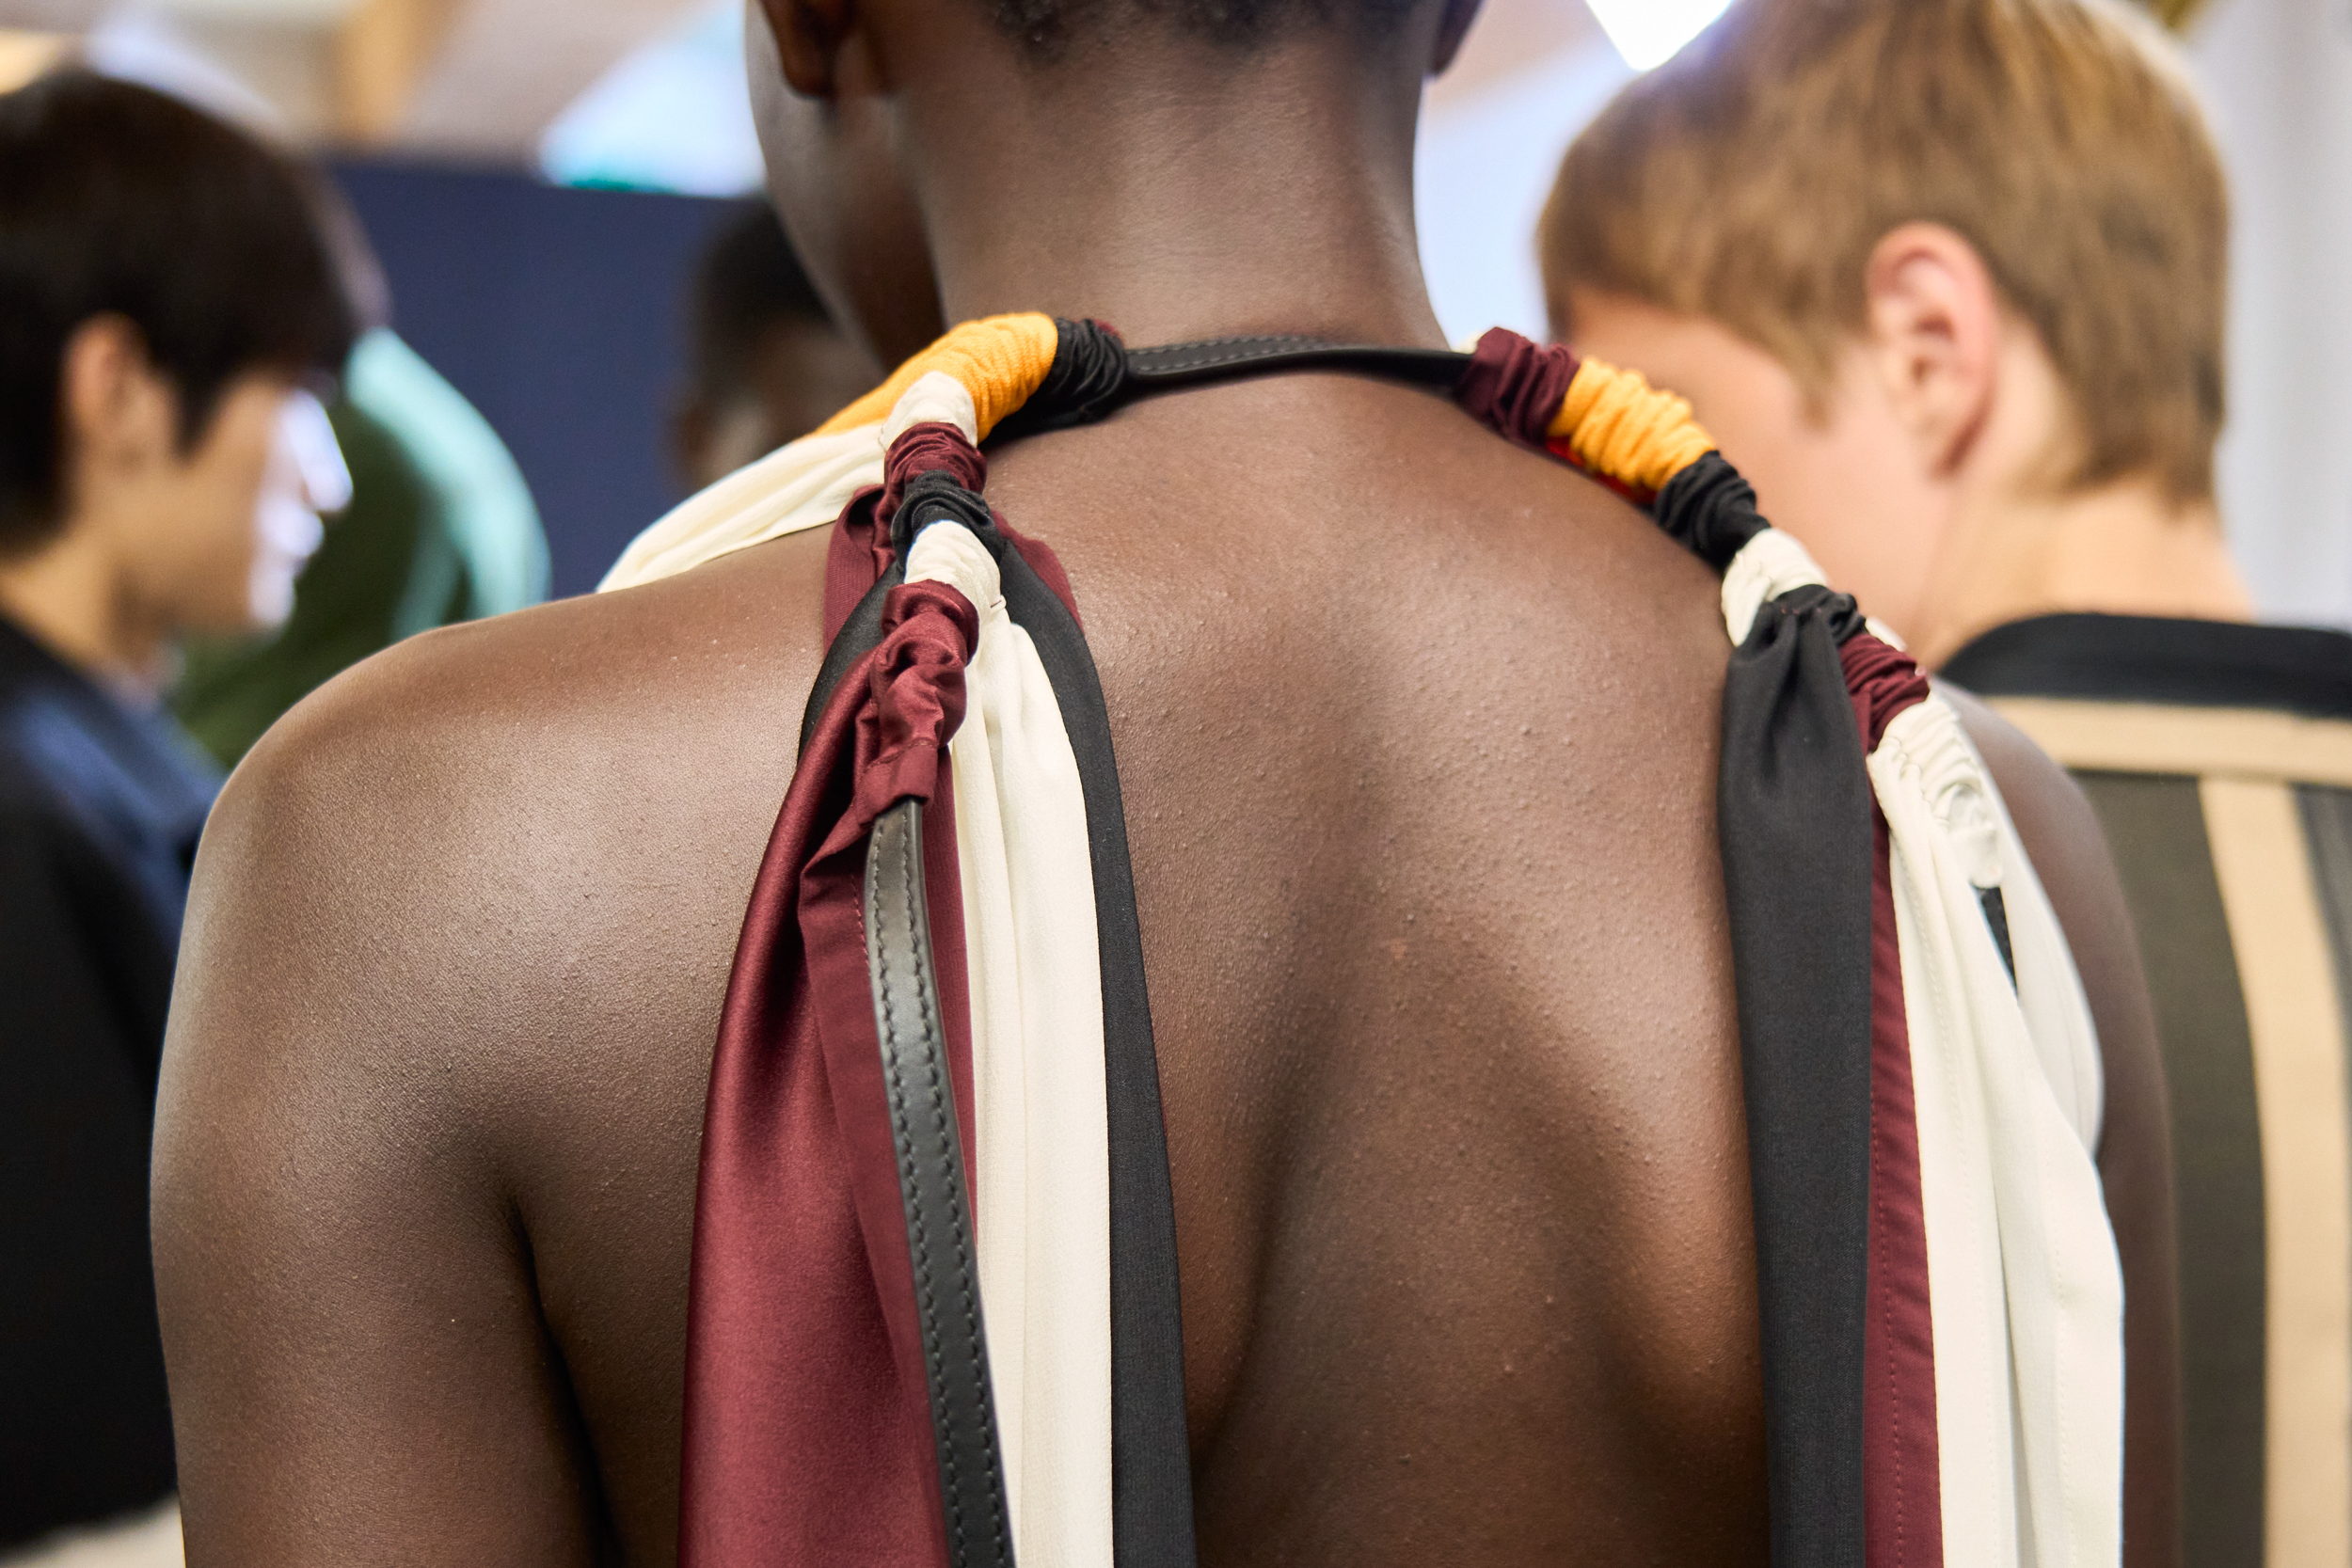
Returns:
point(1094, 374)
point(1174, 367)
point(940, 1237)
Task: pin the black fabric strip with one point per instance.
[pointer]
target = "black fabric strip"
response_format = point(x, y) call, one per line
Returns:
point(2156, 827)
point(2141, 659)
point(935, 497)
point(940, 1243)
point(1151, 1449)
point(1996, 916)
point(1794, 809)
point(1710, 511)
point(859, 635)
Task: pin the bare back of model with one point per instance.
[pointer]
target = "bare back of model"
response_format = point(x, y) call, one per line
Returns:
point(1417, 732)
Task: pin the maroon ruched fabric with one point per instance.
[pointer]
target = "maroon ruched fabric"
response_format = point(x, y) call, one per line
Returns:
point(1901, 1484)
point(1515, 387)
point(924, 448)
point(916, 678)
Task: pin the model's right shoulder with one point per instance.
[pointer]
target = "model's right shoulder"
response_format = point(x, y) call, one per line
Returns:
point(525, 810)
point(455, 956)
point(545, 710)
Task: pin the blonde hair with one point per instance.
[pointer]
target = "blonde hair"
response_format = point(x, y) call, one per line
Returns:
point(1749, 178)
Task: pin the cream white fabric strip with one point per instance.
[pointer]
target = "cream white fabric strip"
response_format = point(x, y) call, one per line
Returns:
point(796, 487)
point(2024, 1288)
point(1766, 567)
point(149, 1540)
point(1041, 1170)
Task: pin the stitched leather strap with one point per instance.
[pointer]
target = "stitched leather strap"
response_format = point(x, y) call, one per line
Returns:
point(1175, 366)
point(1095, 375)
point(940, 1237)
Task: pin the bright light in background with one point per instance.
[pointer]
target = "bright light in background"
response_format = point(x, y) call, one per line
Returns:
point(1647, 32)
point(1483, 167)
point(672, 117)
point(24, 55)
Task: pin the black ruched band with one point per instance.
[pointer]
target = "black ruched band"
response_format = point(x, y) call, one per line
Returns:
point(1087, 381)
point(931, 497)
point(1709, 510)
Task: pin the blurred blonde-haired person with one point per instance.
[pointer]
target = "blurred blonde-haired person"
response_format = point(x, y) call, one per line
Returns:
point(1945, 279)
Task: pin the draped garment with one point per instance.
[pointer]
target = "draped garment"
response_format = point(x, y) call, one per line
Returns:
point(934, 1307)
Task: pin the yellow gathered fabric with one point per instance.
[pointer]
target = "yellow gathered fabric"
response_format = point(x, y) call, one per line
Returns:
point(999, 359)
point(1618, 425)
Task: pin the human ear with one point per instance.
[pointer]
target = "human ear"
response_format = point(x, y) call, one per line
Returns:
point(119, 411)
point(808, 35)
point(1453, 27)
point(1932, 325)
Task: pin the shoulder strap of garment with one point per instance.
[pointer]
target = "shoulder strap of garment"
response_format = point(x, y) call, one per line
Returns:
point(1152, 1487)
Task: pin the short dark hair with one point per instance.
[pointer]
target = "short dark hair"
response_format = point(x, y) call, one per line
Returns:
point(749, 282)
point(118, 200)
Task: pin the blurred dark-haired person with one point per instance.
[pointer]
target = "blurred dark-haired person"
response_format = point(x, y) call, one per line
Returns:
point(1946, 279)
point(768, 365)
point(166, 303)
point(440, 528)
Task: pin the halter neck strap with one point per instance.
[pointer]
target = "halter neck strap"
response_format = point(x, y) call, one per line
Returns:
point(1094, 374)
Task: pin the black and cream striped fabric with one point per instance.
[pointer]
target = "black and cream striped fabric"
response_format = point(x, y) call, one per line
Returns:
point(2219, 758)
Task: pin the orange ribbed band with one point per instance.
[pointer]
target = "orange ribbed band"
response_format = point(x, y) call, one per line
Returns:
point(999, 359)
point(1620, 427)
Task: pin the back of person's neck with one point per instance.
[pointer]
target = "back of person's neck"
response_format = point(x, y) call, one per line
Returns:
point(1261, 190)
point(2123, 548)
point(69, 596)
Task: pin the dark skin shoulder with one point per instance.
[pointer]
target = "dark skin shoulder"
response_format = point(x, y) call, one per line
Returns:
point(1416, 734)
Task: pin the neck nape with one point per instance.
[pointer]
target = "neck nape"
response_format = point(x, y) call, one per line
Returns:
point(1275, 197)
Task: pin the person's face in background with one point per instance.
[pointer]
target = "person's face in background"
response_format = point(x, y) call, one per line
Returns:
point(1928, 475)
point(201, 538)
point(1841, 475)
point(799, 375)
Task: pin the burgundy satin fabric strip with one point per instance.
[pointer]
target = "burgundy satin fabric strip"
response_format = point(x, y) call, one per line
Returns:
point(1903, 1490)
point(808, 1434)
point(1515, 387)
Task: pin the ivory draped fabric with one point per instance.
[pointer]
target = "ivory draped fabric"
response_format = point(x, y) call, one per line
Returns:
point(799, 487)
point(2023, 1275)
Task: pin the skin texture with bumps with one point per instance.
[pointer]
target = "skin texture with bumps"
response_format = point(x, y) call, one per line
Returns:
point(1417, 734)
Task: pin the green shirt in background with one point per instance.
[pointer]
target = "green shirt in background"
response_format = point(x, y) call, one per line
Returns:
point(440, 528)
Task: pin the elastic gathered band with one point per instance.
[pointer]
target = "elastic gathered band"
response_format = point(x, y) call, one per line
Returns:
point(1000, 360)
point(1620, 427)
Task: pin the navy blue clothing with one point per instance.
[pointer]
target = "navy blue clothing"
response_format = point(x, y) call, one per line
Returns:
point(101, 806)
